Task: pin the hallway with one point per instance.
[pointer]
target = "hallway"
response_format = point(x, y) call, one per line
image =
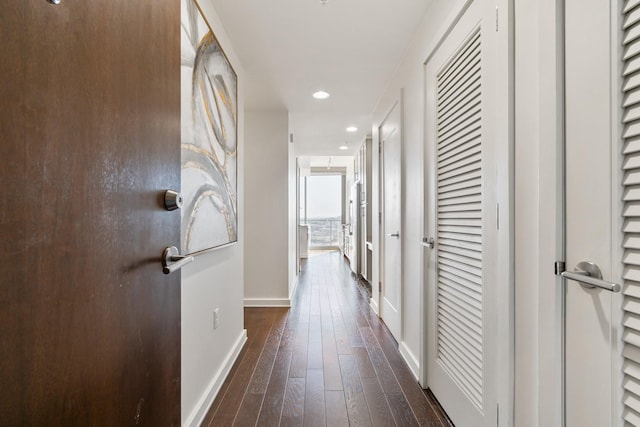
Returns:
point(328, 361)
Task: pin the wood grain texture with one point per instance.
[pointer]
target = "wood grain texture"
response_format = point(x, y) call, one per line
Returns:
point(293, 406)
point(377, 402)
point(357, 408)
point(90, 139)
point(336, 409)
point(335, 363)
point(314, 415)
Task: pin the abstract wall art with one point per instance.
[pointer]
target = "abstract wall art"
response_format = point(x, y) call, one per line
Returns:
point(209, 137)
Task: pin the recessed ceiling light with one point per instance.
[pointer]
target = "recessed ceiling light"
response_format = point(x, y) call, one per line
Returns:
point(321, 95)
point(352, 129)
point(343, 147)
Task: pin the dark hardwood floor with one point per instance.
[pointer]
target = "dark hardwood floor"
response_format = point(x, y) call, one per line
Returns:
point(326, 361)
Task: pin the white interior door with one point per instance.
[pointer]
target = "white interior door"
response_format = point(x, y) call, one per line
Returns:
point(462, 187)
point(591, 162)
point(391, 290)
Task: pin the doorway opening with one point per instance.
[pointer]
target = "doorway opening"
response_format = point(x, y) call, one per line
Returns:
point(323, 210)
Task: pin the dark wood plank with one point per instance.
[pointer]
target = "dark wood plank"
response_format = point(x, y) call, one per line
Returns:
point(314, 351)
point(330, 362)
point(343, 345)
point(336, 409)
point(293, 406)
point(314, 415)
point(357, 408)
point(422, 407)
point(274, 396)
point(262, 372)
point(377, 402)
point(442, 416)
point(365, 367)
point(249, 410)
point(228, 407)
point(299, 358)
point(401, 410)
point(381, 365)
point(226, 384)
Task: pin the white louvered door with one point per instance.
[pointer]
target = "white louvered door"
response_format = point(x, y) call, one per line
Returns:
point(593, 222)
point(462, 311)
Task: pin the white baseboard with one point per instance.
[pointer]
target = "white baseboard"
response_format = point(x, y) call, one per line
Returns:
point(200, 411)
point(374, 306)
point(410, 360)
point(294, 289)
point(267, 302)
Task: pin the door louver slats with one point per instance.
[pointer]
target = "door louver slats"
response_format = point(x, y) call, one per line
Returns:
point(631, 211)
point(459, 218)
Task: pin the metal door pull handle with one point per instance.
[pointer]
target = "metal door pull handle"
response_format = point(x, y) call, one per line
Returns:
point(588, 275)
point(428, 242)
point(394, 235)
point(173, 261)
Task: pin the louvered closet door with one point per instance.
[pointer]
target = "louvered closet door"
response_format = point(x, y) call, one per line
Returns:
point(461, 278)
point(593, 219)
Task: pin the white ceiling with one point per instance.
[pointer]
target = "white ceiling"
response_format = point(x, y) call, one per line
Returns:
point(292, 48)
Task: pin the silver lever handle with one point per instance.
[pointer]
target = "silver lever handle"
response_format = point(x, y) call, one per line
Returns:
point(173, 261)
point(394, 234)
point(589, 275)
point(428, 242)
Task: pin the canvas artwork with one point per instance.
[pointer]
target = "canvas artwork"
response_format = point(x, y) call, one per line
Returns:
point(209, 137)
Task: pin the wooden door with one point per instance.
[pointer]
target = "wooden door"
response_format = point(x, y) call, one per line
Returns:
point(463, 241)
point(590, 218)
point(391, 297)
point(89, 142)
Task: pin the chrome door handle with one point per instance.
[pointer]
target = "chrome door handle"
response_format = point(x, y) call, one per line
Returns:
point(588, 275)
point(173, 261)
point(428, 242)
point(397, 235)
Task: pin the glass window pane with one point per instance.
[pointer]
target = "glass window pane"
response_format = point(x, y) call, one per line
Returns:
point(324, 209)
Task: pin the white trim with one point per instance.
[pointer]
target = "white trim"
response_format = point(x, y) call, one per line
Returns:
point(204, 403)
point(410, 359)
point(617, 206)
point(374, 306)
point(267, 302)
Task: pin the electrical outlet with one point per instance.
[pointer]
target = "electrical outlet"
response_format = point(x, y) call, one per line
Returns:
point(216, 318)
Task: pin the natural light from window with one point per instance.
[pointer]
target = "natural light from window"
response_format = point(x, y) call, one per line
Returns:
point(324, 209)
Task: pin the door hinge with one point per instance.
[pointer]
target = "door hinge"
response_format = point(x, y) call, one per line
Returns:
point(380, 287)
point(498, 414)
point(498, 216)
point(558, 267)
point(379, 217)
point(497, 18)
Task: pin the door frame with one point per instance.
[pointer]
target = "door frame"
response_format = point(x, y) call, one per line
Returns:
point(544, 399)
point(381, 216)
point(616, 206)
point(505, 139)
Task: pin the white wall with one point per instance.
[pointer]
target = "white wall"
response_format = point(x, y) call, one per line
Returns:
point(293, 209)
point(409, 80)
point(213, 280)
point(267, 232)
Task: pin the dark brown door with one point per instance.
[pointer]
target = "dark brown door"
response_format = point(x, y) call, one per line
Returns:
point(89, 141)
